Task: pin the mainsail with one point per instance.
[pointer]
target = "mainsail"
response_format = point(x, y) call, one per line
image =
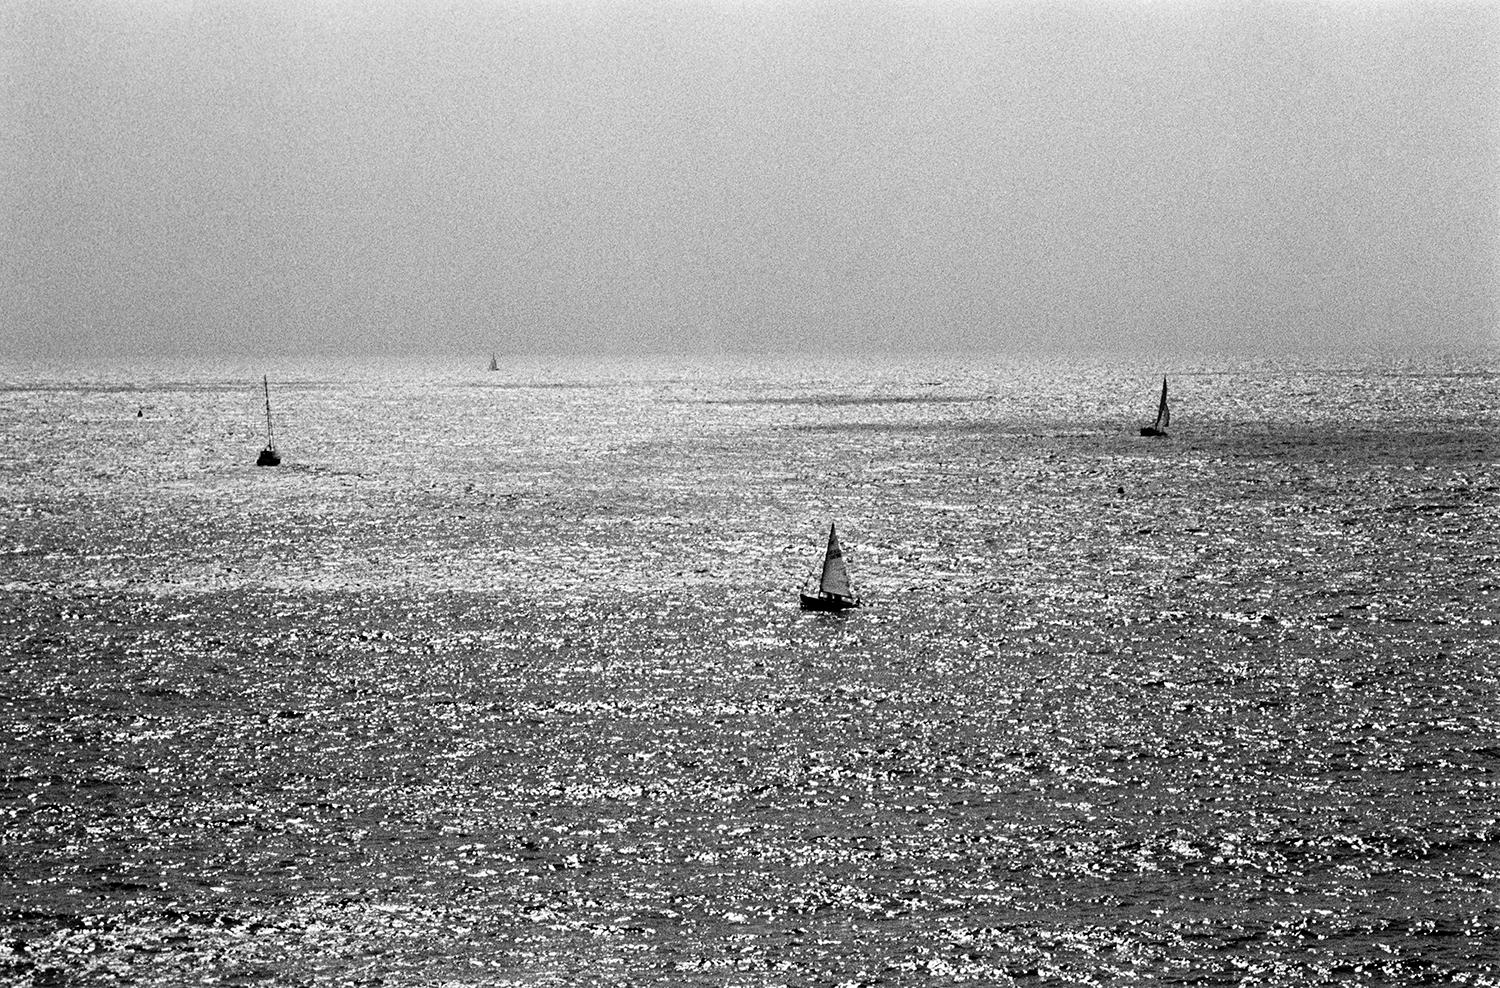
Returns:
point(1163, 414)
point(835, 579)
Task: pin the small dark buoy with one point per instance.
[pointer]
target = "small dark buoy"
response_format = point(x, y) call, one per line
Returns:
point(1119, 490)
point(139, 412)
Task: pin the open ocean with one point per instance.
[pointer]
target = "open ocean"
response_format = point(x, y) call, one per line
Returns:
point(500, 678)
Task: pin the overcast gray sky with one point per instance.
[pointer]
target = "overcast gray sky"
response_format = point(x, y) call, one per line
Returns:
point(288, 176)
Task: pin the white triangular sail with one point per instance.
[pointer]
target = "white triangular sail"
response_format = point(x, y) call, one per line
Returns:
point(835, 578)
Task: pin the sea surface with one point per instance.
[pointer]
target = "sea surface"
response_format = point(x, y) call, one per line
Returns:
point(500, 679)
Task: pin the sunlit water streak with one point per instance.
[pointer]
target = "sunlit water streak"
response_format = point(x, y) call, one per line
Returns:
point(499, 679)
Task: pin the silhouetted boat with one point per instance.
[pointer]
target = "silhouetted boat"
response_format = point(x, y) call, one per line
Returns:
point(1163, 415)
point(268, 457)
point(833, 590)
point(494, 364)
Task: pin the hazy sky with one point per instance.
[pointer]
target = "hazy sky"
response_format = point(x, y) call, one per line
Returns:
point(288, 176)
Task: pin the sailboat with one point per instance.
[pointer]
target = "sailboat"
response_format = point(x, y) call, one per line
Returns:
point(833, 590)
point(494, 364)
point(268, 457)
point(1163, 415)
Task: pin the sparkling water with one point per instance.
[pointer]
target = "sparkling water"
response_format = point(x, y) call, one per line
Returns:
point(500, 678)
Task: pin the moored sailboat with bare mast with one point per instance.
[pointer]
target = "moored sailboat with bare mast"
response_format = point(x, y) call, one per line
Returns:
point(268, 457)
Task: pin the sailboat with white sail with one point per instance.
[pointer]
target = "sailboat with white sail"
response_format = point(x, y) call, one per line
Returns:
point(833, 591)
point(268, 457)
point(494, 364)
point(1163, 415)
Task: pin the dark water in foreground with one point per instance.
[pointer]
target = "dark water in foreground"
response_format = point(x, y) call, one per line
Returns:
point(499, 679)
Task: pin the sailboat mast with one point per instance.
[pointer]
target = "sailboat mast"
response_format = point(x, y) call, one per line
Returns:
point(266, 384)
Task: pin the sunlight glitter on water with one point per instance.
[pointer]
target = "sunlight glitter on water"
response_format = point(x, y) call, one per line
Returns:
point(499, 679)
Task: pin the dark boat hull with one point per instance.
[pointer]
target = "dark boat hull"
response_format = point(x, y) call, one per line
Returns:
point(827, 602)
point(268, 458)
point(1151, 430)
